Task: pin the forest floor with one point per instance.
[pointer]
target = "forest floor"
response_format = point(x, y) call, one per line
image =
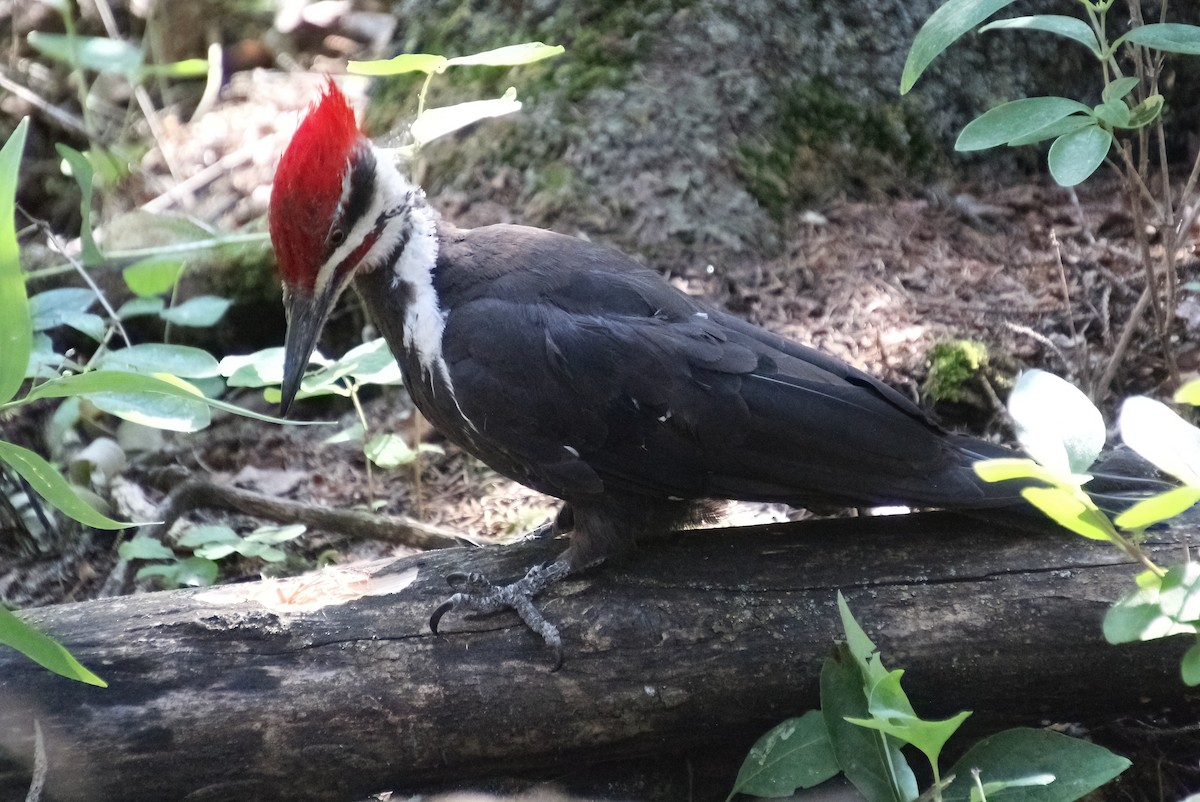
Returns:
point(1039, 277)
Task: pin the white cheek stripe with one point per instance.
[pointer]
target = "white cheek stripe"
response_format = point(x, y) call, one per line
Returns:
point(424, 319)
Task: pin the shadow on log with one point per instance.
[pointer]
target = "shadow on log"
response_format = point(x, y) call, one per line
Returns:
point(694, 647)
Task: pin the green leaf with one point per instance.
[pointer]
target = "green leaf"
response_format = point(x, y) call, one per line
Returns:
point(1006, 468)
point(1075, 156)
point(178, 360)
point(389, 451)
point(510, 56)
point(1169, 37)
point(43, 650)
point(1118, 89)
point(1157, 508)
point(86, 323)
point(207, 534)
point(861, 646)
point(1022, 757)
point(435, 123)
point(892, 713)
point(140, 306)
point(1069, 27)
point(871, 760)
point(941, 30)
point(186, 68)
point(97, 53)
point(193, 572)
point(116, 381)
point(50, 309)
point(427, 63)
point(1189, 668)
point(1189, 393)
point(1158, 610)
point(274, 534)
point(1146, 112)
point(1016, 120)
point(1054, 130)
point(167, 412)
point(261, 369)
point(1072, 510)
point(794, 754)
point(153, 275)
point(50, 485)
point(1161, 436)
point(1056, 423)
point(81, 170)
point(1114, 113)
point(198, 312)
point(16, 332)
point(144, 548)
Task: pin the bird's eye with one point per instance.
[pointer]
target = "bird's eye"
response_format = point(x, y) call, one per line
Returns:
point(337, 235)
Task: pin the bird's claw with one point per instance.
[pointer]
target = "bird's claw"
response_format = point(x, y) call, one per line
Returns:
point(476, 594)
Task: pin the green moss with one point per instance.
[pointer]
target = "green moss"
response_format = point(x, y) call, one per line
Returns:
point(603, 40)
point(823, 142)
point(956, 368)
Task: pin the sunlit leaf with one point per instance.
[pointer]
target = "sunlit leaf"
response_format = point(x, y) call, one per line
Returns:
point(43, 650)
point(1072, 510)
point(1169, 607)
point(1189, 393)
point(510, 56)
point(1056, 423)
point(434, 123)
point(405, 62)
point(1007, 468)
point(16, 333)
point(1157, 508)
point(1162, 437)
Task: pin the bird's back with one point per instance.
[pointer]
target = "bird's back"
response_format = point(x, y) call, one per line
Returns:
point(577, 371)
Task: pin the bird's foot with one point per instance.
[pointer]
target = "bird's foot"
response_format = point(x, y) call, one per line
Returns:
point(476, 594)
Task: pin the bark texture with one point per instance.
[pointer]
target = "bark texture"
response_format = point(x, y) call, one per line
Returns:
point(693, 647)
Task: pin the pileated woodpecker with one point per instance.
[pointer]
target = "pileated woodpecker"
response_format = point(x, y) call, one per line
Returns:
point(577, 372)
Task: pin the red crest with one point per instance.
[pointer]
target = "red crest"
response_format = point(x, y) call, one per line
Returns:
point(308, 186)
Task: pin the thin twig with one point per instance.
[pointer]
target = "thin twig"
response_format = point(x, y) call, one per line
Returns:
point(1110, 370)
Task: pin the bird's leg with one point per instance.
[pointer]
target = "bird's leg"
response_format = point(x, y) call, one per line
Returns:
point(478, 595)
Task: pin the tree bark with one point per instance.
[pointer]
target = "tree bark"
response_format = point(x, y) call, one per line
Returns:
point(696, 645)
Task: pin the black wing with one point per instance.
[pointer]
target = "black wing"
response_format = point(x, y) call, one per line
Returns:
point(582, 371)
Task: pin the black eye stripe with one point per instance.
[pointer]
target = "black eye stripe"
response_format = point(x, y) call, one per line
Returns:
point(362, 188)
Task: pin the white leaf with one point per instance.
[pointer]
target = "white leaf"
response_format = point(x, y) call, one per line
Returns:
point(1055, 422)
point(434, 123)
point(1157, 433)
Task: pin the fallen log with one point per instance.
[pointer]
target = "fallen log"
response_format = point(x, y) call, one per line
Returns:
point(698, 644)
